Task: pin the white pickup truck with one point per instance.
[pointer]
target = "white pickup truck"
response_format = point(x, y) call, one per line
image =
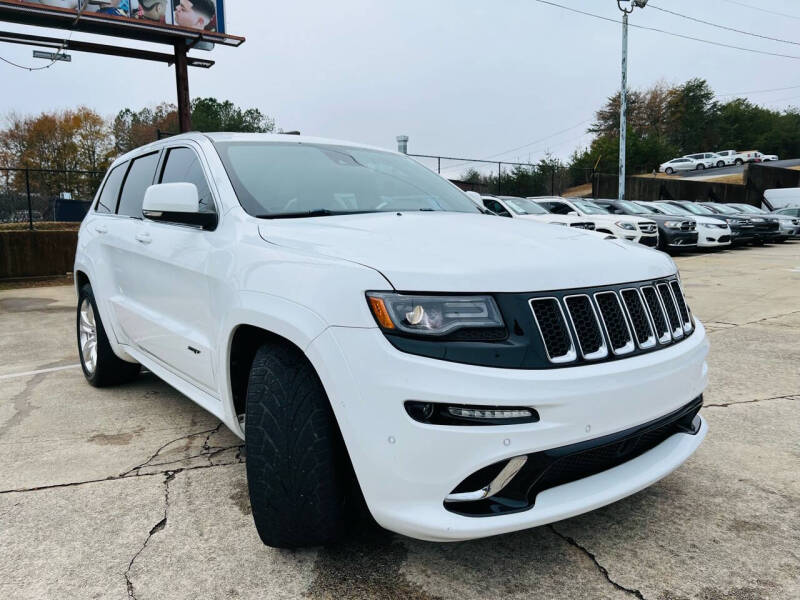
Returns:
point(734, 157)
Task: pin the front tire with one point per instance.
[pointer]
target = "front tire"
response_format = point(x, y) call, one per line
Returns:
point(669, 170)
point(301, 483)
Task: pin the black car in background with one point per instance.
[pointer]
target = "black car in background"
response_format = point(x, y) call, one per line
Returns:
point(674, 233)
point(742, 229)
point(767, 229)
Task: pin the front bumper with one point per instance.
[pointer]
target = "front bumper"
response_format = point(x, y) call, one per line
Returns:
point(679, 239)
point(714, 237)
point(406, 468)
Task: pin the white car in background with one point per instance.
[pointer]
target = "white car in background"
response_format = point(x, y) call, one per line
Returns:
point(709, 160)
point(634, 229)
point(523, 208)
point(680, 164)
point(759, 157)
point(711, 231)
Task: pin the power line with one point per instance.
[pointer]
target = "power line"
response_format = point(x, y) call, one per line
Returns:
point(61, 48)
point(671, 33)
point(544, 139)
point(793, 87)
point(758, 8)
point(726, 28)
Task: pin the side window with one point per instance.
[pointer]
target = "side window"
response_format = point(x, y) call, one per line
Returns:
point(139, 178)
point(107, 202)
point(496, 207)
point(559, 209)
point(183, 166)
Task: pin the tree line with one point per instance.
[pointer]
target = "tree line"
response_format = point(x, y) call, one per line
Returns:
point(664, 122)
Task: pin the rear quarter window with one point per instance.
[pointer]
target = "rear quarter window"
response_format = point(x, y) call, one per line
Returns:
point(107, 202)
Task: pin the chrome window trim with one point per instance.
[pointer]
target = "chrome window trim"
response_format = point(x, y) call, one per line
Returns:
point(571, 355)
point(651, 340)
point(631, 345)
point(602, 352)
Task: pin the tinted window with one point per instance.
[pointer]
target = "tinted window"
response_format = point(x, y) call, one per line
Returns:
point(496, 207)
point(557, 208)
point(183, 166)
point(107, 202)
point(140, 177)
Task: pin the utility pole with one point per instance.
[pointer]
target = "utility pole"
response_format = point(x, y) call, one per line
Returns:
point(623, 94)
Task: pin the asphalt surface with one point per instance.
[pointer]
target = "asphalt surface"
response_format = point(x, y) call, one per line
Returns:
point(135, 492)
point(735, 170)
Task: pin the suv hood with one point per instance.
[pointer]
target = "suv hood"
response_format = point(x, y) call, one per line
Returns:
point(454, 252)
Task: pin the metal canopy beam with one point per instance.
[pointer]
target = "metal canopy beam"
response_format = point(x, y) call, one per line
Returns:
point(122, 27)
point(78, 46)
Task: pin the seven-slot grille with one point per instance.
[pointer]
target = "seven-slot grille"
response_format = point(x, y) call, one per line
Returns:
point(617, 322)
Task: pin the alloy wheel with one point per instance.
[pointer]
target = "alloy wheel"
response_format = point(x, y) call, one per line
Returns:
point(88, 336)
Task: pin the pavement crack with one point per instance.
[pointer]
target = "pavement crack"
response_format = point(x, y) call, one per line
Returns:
point(727, 404)
point(604, 572)
point(168, 476)
point(149, 461)
point(40, 488)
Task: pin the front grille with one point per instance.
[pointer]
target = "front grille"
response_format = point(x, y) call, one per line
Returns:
point(553, 328)
point(587, 327)
point(672, 310)
point(648, 228)
point(578, 326)
point(687, 226)
point(614, 322)
point(724, 239)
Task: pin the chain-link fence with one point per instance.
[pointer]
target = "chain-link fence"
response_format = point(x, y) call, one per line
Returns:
point(45, 198)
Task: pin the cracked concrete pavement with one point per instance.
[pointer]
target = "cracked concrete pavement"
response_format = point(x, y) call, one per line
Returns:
point(135, 492)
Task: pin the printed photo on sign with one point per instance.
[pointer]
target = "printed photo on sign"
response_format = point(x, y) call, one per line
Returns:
point(195, 14)
point(159, 11)
point(115, 8)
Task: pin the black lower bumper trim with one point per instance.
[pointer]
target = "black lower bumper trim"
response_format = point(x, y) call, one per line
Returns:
point(557, 466)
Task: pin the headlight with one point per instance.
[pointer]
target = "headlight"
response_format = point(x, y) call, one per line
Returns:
point(433, 315)
point(708, 225)
point(627, 226)
point(673, 224)
point(757, 219)
point(734, 221)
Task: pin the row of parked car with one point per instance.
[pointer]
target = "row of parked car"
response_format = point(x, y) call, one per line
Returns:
point(670, 225)
point(710, 160)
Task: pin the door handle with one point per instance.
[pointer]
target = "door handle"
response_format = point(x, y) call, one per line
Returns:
point(143, 238)
point(101, 229)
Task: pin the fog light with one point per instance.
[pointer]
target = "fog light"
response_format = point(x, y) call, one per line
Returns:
point(459, 414)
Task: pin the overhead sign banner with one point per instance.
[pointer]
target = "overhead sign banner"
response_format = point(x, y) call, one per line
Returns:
point(193, 15)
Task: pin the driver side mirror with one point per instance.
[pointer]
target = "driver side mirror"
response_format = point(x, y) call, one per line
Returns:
point(176, 203)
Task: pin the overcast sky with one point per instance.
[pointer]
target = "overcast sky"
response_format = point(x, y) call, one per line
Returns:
point(461, 78)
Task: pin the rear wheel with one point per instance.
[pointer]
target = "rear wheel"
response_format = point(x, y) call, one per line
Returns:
point(700, 167)
point(738, 162)
point(100, 365)
point(302, 487)
point(720, 164)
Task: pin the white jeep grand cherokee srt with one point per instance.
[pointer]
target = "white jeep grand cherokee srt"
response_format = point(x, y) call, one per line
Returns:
point(376, 340)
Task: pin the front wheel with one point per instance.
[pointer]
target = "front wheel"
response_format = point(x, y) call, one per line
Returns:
point(302, 486)
point(100, 365)
point(669, 170)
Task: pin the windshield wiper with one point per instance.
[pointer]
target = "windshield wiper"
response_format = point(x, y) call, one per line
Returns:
point(318, 212)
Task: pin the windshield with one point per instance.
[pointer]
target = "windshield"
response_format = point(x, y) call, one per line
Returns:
point(523, 206)
point(274, 179)
point(749, 209)
point(698, 209)
point(671, 209)
point(633, 208)
point(726, 210)
point(590, 208)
